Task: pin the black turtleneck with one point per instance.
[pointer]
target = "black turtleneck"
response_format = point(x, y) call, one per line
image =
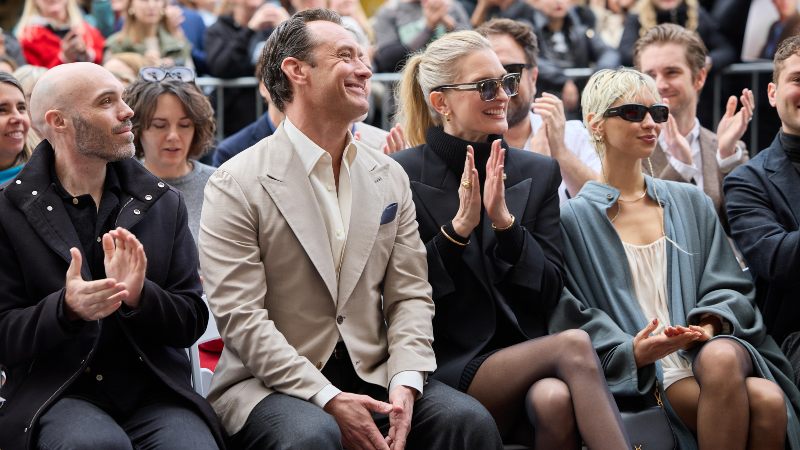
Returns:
point(791, 145)
point(453, 151)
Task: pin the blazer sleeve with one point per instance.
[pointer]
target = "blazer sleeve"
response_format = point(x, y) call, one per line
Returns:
point(407, 296)
point(723, 288)
point(236, 285)
point(529, 255)
point(174, 313)
point(772, 251)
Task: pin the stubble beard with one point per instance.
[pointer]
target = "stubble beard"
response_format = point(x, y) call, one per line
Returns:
point(96, 142)
point(517, 112)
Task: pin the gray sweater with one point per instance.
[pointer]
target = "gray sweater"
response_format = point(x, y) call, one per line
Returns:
point(191, 186)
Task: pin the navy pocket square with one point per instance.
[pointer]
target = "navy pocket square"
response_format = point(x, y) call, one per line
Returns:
point(389, 213)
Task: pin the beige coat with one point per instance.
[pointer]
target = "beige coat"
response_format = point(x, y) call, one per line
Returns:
point(271, 283)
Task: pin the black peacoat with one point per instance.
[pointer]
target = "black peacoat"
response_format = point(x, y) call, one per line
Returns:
point(42, 358)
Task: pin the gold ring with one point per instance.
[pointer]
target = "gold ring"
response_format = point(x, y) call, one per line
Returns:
point(504, 176)
point(466, 184)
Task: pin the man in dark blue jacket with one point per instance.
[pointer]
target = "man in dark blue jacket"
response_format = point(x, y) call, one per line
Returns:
point(763, 204)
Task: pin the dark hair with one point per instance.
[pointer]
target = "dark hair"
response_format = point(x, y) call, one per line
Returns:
point(787, 48)
point(142, 96)
point(290, 39)
point(669, 33)
point(521, 32)
point(25, 154)
point(7, 78)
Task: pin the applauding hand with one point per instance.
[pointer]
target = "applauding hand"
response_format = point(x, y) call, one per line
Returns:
point(469, 198)
point(494, 190)
point(125, 261)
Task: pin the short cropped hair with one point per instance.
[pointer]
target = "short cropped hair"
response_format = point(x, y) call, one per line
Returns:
point(290, 39)
point(606, 87)
point(521, 32)
point(669, 33)
point(787, 48)
point(142, 96)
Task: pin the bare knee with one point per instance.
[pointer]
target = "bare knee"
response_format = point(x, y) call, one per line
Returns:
point(767, 404)
point(721, 362)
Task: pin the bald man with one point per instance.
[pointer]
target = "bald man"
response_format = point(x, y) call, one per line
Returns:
point(100, 287)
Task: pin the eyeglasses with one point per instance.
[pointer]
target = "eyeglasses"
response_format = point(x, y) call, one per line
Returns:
point(634, 112)
point(487, 89)
point(516, 67)
point(156, 74)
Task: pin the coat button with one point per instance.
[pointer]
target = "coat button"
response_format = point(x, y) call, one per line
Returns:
point(49, 208)
point(35, 193)
point(99, 377)
point(609, 196)
point(20, 182)
point(161, 184)
point(148, 197)
point(339, 319)
point(137, 212)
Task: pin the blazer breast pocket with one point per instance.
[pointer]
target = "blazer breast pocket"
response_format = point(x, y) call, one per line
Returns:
point(389, 213)
point(388, 225)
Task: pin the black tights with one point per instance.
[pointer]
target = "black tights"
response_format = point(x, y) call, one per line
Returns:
point(725, 405)
point(550, 390)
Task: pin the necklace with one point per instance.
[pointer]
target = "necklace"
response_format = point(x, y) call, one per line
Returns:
point(644, 192)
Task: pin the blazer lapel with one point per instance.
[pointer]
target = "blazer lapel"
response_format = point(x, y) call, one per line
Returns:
point(438, 192)
point(368, 181)
point(784, 177)
point(288, 185)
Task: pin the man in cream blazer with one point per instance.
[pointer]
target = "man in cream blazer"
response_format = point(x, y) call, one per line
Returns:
point(316, 274)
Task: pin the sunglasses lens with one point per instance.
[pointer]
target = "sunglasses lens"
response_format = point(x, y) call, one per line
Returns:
point(487, 90)
point(152, 74)
point(659, 113)
point(633, 113)
point(511, 84)
point(184, 74)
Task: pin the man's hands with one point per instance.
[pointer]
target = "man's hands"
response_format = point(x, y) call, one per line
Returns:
point(436, 12)
point(395, 140)
point(125, 261)
point(90, 300)
point(73, 49)
point(267, 16)
point(732, 126)
point(677, 145)
point(551, 110)
point(570, 95)
point(352, 414)
point(402, 400)
point(649, 348)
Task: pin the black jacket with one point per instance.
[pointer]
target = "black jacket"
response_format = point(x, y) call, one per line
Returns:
point(512, 278)
point(763, 204)
point(41, 356)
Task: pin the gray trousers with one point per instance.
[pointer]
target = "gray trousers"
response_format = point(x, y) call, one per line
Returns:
point(443, 419)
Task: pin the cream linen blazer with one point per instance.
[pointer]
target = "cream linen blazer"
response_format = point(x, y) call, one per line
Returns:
point(279, 304)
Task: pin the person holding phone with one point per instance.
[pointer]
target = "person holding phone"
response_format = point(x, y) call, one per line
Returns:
point(54, 32)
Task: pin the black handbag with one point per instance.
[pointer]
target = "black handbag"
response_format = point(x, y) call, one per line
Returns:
point(646, 423)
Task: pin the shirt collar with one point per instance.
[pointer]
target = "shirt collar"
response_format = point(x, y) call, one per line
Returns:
point(309, 152)
point(111, 183)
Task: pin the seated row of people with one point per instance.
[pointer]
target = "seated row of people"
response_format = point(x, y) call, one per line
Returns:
point(323, 260)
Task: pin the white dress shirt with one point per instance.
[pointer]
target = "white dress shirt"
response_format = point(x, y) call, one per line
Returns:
point(335, 206)
point(694, 171)
point(576, 138)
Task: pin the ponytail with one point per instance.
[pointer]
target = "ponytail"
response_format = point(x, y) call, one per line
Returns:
point(413, 114)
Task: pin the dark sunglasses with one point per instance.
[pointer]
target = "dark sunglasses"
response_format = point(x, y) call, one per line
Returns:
point(487, 89)
point(516, 67)
point(156, 74)
point(634, 112)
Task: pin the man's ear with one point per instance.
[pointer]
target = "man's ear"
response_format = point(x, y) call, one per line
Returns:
point(771, 92)
point(56, 120)
point(295, 70)
point(439, 102)
point(700, 79)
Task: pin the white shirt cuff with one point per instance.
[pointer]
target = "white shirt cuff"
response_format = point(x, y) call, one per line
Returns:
point(727, 164)
point(408, 378)
point(325, 395)
point(686, 171)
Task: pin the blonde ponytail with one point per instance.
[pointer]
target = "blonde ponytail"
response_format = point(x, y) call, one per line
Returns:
point(413, 114)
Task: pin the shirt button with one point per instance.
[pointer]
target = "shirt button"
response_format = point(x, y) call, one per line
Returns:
point(609, 196)
point(330, 187)
point(99, 377)
point(339, 319)
point(319, 365)
point(88, 370)
point(339, 234)
point(74, 201)
point(99, 239)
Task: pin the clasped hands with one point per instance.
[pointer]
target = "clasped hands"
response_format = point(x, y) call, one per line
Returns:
point(352, 413)
point(494, 193)
point(649, 348)
point(125, 264)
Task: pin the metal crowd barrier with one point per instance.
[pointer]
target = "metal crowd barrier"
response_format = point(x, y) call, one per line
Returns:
point(389, 80)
